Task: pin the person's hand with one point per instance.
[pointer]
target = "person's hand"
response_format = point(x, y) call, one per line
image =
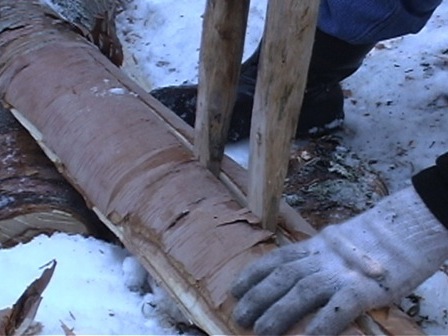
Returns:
point(368, 262)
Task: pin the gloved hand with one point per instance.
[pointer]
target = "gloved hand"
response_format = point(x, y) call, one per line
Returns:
point(367, 262)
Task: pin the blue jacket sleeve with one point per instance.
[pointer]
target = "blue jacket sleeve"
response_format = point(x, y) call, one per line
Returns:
point(370, 21)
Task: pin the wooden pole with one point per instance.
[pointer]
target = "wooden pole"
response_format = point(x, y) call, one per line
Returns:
point(282, 73)
point(220, 57)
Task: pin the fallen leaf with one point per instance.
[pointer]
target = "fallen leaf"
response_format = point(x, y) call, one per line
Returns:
point(68, 331)
point(18, 319)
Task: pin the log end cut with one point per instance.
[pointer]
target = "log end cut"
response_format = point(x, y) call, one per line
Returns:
point(34, 197)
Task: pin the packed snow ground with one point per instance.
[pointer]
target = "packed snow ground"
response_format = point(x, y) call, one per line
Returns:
point(397, 118)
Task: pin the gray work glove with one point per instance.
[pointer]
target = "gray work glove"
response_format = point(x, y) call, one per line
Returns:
point(367, 262)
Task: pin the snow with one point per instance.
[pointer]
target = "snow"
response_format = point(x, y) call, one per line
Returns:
point(88, 291)
point(399, 117)
point(396, 117)
point(162, 39)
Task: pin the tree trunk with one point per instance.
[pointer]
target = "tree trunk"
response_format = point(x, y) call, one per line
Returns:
point(112, 142)
point(34, 197)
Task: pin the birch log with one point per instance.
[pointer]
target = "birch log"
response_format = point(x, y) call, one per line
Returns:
point(112, 142)
point(139, 178)
point(34, 197)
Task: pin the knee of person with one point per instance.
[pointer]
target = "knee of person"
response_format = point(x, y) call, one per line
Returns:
point(419, 7)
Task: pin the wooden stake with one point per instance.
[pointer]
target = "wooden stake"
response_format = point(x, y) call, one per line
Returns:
point(222, 45)
point(283, 67)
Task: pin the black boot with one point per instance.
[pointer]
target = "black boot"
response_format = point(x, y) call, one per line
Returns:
point(322, 110)
point(332, 60)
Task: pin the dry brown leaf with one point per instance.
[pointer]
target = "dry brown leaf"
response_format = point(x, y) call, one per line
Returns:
point(18, 319)
point(67, 331)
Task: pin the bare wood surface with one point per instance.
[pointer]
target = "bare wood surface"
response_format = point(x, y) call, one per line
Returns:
point(222, 44)
point(388, 321)
point(283, 68)
point(183, 224)
point(34, 197)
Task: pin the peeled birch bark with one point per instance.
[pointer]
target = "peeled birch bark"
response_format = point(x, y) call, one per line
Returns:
point(112, 142)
